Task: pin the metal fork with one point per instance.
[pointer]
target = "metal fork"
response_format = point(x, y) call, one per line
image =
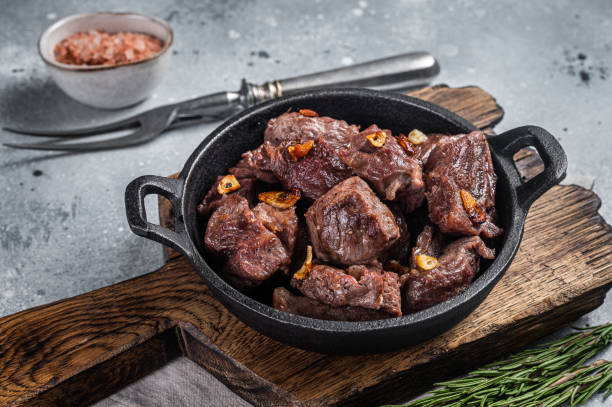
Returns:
point(397, 72)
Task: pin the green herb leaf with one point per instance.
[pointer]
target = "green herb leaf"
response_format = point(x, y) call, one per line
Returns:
point(548, 375)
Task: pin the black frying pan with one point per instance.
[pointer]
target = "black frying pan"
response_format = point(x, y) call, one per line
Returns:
point(222, 149)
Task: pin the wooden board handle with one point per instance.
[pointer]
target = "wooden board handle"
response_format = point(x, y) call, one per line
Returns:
point(79, 350)
point(47, 345)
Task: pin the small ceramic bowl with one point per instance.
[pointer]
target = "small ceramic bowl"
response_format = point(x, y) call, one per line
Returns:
point(108, 87)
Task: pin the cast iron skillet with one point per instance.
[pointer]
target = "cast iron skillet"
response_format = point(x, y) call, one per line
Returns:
point(222, 149)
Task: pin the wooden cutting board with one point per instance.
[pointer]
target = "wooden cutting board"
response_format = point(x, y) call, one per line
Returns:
point(79, 350)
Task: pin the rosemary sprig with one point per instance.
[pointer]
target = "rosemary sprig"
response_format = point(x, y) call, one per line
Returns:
point(548, 375)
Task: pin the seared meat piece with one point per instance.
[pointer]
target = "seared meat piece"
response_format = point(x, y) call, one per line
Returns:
point(295, 127)
point(456, 171)
point(314, 174)
point(389, 169)
point(213, 199)
point(253, 253)
point(282, 222)
point(457, 266)
point(334, 287)
point(391, 296)
point(350, 225)
point(283, 300)
point(434, 140)
point(254, 164)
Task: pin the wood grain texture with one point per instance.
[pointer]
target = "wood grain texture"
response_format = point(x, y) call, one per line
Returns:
point(470, 102)
point(563, 270)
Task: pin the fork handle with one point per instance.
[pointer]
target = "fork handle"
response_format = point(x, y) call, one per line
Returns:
point(210, 104)
point(399, 71)
point(396, 72)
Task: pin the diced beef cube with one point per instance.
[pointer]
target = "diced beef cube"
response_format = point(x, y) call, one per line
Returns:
point(334, 287)
point(350, 225)
point(282, 222)
point(457, 266)
point(295, 127)
point(314, 174)
point(254, 164)
point(389, 169)
point(283, 300)
point(434, 140)
point(253, 253)
point(462, 164)
point(391, 295)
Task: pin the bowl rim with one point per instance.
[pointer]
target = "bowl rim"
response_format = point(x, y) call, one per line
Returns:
point(94, 68)
point(482, 285)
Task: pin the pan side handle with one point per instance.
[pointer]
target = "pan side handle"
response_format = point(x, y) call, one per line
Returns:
point(550, 151)
point(170, 188)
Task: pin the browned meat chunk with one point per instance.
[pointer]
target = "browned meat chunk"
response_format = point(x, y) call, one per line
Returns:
point(282, 222)
point(388, 168)
point(334, 287)
point(253, 253)
point(295, 127)
point(350, 225)
point(455, 172)
point(254, 164)
point(454, 272)
point(391, 300)
point(283, 300)
point(314, 173)
point(433, 140)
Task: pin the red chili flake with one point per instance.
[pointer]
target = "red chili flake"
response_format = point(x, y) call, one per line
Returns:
point(425, 262)
point(377, 139)
point(406, 144)
point(280, 199)
point(298, 151)
point(227, 184)
point(309, 113)
point(305, 269)
point(474, 211)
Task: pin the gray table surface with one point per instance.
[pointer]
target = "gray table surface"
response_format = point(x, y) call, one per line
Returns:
point(63, 229)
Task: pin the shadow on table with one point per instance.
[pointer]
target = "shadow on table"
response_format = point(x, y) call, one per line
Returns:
point(37, 102)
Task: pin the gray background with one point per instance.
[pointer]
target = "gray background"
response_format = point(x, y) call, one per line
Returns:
point(63, 230)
